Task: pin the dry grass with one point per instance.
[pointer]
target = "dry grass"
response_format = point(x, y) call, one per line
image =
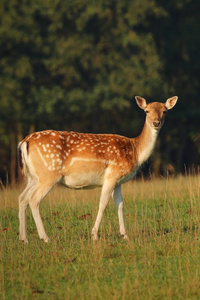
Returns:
point(161, 261)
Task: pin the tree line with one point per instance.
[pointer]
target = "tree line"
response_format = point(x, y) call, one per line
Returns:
point(77, 65)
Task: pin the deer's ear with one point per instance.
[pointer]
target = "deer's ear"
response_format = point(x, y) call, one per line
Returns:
point(141, 102)
point(171, 102)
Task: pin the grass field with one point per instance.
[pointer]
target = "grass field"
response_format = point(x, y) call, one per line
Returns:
point(161, 260)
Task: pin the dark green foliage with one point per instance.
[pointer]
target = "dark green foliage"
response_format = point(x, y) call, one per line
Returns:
point(77, 65)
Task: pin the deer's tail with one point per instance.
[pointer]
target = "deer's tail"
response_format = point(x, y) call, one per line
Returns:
point(23, 149)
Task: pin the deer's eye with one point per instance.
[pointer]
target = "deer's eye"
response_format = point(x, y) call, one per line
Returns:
point(147, 111)
point(164, 112)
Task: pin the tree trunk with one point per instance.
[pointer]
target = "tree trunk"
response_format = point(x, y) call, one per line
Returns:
point(19, 138)
point(13, 161)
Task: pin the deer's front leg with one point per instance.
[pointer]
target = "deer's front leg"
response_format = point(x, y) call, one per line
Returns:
point(117, 196)
point(106, 192)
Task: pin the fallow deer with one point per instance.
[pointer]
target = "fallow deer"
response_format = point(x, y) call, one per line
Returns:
point(81, 161)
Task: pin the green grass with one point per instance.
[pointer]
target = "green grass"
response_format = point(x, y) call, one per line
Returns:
point(161, 260)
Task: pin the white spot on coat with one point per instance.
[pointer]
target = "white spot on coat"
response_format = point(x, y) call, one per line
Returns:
point(44, 148)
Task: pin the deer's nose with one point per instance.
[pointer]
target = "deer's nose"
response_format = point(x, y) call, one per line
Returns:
point(156, 123)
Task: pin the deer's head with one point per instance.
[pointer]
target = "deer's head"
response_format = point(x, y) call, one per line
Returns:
point(156, 111)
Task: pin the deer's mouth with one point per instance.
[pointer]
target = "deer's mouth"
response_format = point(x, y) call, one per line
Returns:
point(157, 125)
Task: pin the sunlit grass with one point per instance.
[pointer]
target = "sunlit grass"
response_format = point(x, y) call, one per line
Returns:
point(161, 260)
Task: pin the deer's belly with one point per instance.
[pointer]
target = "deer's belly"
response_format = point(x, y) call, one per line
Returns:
point(82, 180)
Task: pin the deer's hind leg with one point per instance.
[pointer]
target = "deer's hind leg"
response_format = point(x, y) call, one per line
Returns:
point(23, 203)
point(39, 193)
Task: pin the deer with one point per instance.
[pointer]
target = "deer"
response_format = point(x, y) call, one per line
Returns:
point(84, 161)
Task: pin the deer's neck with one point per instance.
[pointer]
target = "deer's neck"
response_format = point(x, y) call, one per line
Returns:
point(145, 143)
